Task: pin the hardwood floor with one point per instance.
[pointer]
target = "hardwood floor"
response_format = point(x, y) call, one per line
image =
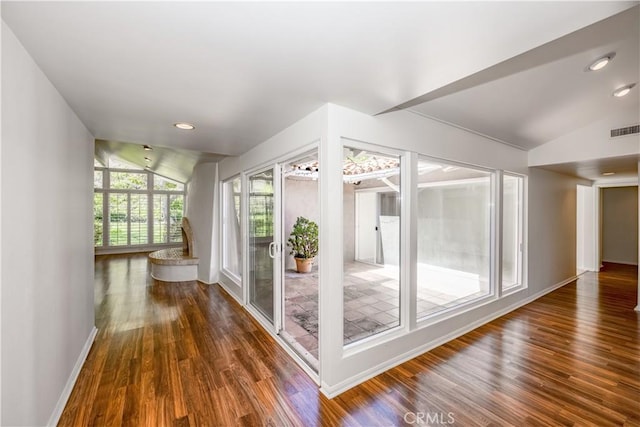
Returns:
point(187, 355)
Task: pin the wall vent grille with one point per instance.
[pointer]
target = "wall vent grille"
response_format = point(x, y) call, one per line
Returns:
point(629, 130)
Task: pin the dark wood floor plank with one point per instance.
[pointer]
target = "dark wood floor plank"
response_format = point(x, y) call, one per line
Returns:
point(187, 355)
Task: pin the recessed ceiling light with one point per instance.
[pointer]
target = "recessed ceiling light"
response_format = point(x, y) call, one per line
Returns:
point(147, 147)
point(608, 173)
point(147, 159)
point(600, 63)
point(184, 126)
point(622, 91)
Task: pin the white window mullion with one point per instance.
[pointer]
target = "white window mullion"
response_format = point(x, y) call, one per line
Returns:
point(168, 220)
point(520, 228)
point(409, 241)
point(496, 253)
point(105, 218)
point(244, 217)
point(512, 228)
point(106, 184)
point(150, 209)
point(128, 219)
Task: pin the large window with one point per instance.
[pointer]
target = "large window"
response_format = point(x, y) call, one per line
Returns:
point(231, 238)
point(133, 208)
point(453, 235)
point(372, 196)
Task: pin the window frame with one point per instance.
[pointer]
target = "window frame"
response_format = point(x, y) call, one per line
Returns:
point(235, 277)
point(456, 310)
point(106, 191)
point(521, 282)
point(404, 280)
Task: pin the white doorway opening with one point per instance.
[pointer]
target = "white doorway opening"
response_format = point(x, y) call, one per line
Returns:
point(367, 227)
point(619, 224)
point(586, 228)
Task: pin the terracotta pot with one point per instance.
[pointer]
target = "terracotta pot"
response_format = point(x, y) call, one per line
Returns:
point(303, 265)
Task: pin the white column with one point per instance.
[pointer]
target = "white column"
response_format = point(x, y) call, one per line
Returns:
point(330, 310)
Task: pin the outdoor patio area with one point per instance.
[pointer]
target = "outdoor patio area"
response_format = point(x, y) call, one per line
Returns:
point(371, 300)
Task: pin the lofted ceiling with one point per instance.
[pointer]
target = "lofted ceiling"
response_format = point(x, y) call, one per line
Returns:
point(174, 163)
point(243, 71)
point(546, 92)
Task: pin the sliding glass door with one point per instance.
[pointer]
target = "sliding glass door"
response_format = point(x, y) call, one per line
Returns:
point(299, 326)
point(263, 246)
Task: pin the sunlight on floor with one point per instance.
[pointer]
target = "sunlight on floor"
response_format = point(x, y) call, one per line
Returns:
point(371, 300)
point(436, 280)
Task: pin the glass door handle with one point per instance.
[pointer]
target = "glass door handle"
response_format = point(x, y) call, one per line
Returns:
point(272, 247)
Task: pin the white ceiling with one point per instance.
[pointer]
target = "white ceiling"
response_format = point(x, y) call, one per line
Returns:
point(243, 71)
point(625, 168)
point(546, 93)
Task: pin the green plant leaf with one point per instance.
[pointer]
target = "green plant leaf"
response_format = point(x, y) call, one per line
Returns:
point(303, 239)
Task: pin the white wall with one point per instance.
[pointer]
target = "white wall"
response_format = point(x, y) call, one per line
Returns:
point(202, 211)
point(620, 225)
point(591, 142)
point(47, 240)
point(552, 228)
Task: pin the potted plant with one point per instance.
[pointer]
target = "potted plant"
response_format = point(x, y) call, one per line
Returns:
point(303, 242)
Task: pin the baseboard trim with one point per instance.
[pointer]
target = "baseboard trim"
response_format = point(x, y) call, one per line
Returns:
point(332, 391)
point(119, 250)
point(229, 292)
point(620, 262)
point(73, 377)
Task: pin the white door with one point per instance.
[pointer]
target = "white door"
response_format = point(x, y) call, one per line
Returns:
point(366, 226)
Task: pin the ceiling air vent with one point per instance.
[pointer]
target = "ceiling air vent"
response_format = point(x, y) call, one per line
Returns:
point(629, 130)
